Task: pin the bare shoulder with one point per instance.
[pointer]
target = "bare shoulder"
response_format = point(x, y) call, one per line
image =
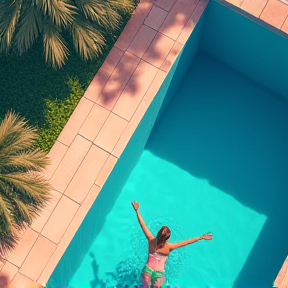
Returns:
point(171, 246)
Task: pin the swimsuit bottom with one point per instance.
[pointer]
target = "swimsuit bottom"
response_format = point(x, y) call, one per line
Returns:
point(154, 274)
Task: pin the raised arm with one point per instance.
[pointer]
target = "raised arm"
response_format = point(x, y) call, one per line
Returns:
point(146, 231)
point(173, 246)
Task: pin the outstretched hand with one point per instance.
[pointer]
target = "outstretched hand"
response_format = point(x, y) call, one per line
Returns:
point(207, 236)
point(135, 205)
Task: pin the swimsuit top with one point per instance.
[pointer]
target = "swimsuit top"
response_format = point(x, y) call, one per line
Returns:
point(159, 256)
point(156, 261)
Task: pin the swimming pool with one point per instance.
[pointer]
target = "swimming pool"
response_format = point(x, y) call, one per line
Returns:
point(215, 160)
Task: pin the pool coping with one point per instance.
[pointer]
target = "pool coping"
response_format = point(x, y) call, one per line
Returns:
point(118, 96)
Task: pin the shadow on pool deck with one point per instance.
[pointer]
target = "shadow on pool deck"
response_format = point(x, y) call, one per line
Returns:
point(233, 133)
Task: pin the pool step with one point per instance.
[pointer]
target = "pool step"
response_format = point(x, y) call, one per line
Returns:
point(281, 280)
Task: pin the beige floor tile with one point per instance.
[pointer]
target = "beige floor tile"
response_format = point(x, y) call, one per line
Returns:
point(56, 154)
point(165, 4)
point(26, 242)
point(7, 273)
point(275, 13)
point(254, 7)
point(21, 281)
point(173, 54)
point(86, 174)
point(135, 90)
point(193, 20)
point(158, 50)
point(97, 84)
point(284, 27)
point(118, 81)
point(281, 274)
point(235, 2)
point(132, 125)
point(106, 170)
point(110, 132)
point(177, 18)
point(94, 122)
point(133, 25)
point(65, 210)
point(155, 17)
point(2, 263)
point(72, 229)
point(76, 120)
point(70, 163)
point(112, 60)
point(142, 41)
point(37, 258)
point(39, 223)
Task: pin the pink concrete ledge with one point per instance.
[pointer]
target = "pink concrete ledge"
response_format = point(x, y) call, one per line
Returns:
point(101, 126)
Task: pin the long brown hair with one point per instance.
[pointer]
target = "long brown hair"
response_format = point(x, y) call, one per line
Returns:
point(162, 236)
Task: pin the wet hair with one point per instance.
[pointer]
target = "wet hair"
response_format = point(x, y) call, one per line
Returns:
point(162, 236)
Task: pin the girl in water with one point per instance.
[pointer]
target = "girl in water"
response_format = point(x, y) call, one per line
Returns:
point(153, 274)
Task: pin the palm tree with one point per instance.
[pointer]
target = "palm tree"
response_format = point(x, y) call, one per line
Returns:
point(22, 22)
point(23, 190)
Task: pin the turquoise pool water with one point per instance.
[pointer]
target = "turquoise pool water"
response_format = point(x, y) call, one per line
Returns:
point(216, 160)
point(219, 167)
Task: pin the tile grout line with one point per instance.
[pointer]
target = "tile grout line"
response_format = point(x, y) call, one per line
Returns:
point(165, 9)
point(110, 154)
point(286, 19)
point(86, 114)
point(148, 45)
point(162, 69)
point(107, 73)
point(79, 205)
point(58, 164)
point(123, 87)
point(136, 31)
point(263, 10)
point(19, 267)
point(144, 94)
point(79, 163)
point(40, 232)
point(100, 127)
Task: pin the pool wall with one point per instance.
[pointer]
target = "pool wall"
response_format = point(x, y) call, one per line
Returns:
point(181, 65)
point(93, 222)
point(247, 49)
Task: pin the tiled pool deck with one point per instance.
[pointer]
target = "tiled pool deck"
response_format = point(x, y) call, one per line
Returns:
point(103, 122)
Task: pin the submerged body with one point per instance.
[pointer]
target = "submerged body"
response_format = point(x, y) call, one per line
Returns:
point(153, 274)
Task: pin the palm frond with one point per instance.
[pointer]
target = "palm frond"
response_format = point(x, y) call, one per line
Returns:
point(98, 11)
point(30, 26)
point(122, 5)
point(91, 8)
point(88, 41)
point(9, 17)
point(21, 213)
point(23, 189)
point(15, 134)
point(28, 161)
point(55, 49)
point(61, 13)
point(7, 242)
point(5, 207)
point(32, 187)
